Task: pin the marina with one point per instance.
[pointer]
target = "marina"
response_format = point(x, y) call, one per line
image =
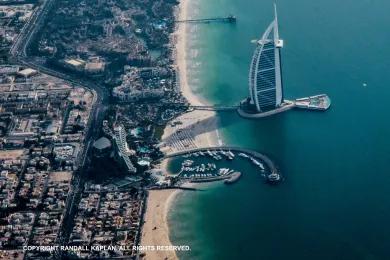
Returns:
point(202, 165)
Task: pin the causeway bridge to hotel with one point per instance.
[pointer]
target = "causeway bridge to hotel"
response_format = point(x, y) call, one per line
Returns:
point(319, 102)
point(215, 108)
point(257, 155)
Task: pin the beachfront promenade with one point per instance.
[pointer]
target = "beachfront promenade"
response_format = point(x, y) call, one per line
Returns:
point(270, 164)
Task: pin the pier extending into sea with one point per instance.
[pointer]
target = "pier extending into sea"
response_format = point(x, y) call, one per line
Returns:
point(228, 19)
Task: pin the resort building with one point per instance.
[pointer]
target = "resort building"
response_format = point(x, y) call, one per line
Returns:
point(122, 150)
point(265, 75)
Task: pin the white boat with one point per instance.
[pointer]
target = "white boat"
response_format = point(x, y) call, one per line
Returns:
point(223, 171)
point(257, 163)
point(243, 155)
point(187, 162)
point(231, 154)
point(261, 166)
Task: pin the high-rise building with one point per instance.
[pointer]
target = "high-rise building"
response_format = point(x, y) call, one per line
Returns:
point(122, 149)
point(265, 76)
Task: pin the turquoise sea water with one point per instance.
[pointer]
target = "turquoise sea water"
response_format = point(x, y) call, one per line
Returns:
point(334, 202)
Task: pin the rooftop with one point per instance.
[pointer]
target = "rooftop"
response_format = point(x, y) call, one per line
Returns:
point(102, 143)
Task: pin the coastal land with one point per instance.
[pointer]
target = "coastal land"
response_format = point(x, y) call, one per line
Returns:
point(155, 229)
point(200, 127)
point(196, 129)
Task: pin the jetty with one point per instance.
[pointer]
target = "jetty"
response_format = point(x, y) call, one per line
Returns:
point(228, 19)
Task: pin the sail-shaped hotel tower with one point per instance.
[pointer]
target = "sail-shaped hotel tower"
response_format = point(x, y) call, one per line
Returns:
point(266, 84)
point(265, 75)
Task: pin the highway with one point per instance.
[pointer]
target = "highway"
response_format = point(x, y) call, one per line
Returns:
point(30, 28)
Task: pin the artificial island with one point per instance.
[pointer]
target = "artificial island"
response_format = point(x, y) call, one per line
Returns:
point(266, 82)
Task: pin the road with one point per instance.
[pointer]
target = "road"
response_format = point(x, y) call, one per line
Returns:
point(30, 28)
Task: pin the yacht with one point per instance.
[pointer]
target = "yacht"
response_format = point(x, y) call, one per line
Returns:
point(230, 154)
point(187, 162)
point(243, 155)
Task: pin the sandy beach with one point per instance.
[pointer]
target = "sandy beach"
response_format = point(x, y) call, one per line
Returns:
point(155, 230)
point(181, 62)
point(196, 129)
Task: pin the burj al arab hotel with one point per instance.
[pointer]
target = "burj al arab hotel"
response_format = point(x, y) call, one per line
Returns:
point(266, 82)
point(265, 75)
